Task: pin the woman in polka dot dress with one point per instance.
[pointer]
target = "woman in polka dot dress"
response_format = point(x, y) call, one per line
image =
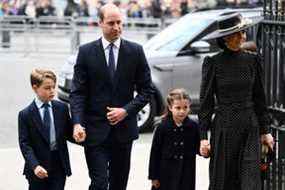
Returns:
point(232, 90)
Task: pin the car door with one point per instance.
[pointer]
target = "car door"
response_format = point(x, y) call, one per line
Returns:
point(187, 74)
point(162, 73)
point(187, 71)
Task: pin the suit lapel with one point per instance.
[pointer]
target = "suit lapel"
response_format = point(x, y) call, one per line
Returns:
point(121, 64)
point(36, 118)
point(99, 50)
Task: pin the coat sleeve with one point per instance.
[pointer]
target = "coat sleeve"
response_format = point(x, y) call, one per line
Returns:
point(25, 142)
point(259, 98)
point(79, 89)
point(143, 84)
point(197, 137)
point(207, 99)
point(68, 129)
point(155, 155)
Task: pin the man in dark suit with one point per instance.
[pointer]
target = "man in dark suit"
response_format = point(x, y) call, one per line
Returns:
point(103, 106)
point(44, 127)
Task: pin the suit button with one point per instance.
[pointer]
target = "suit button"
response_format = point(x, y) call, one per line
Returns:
point(181, 157)
point(181, 143)
point(175, 156)
point(181, 129)
point(175, 143)
point(174, 130)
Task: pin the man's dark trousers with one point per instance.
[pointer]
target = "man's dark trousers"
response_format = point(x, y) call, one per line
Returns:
point(110, 156)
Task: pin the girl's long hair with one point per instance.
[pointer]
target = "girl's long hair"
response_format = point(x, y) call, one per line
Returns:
point(175, 94)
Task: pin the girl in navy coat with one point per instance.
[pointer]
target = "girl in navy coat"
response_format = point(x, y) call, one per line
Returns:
point(175, 145)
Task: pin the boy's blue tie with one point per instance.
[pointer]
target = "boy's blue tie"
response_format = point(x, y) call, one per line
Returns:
point(48, 127)
point(111, 62)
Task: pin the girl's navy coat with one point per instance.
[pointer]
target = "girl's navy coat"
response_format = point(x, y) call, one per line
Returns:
point(173, 154)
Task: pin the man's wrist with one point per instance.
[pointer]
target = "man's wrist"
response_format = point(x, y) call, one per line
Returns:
point(125, 112)
point(78, 125)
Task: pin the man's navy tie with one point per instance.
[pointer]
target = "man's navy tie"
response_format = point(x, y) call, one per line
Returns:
point(48, 127)
point(111, 62)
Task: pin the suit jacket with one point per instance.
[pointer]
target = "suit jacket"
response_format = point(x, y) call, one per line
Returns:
point(34, 141)
point(93, 90)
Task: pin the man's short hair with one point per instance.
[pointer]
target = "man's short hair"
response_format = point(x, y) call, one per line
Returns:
point(101, 11)
point(101, 14)
point(39, 75)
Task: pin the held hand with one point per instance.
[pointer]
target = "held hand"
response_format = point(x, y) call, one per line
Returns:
point(268, 140)
point(79, 133)
point(40, 172)
point(155, 183)
point(115, 115)
point(205, 148)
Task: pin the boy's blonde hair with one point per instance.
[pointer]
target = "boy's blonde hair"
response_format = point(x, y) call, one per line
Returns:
point(39, 75)
point(175, 94)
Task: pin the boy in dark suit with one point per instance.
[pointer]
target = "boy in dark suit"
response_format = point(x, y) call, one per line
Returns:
point(43, 128)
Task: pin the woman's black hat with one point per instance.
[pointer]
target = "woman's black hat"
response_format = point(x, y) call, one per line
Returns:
point(230, 24)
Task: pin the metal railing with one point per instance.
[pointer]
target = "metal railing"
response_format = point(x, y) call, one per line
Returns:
point(23, 33)
point(54, 22)
point(273, 51)
point(274, 176)
point(273, 47)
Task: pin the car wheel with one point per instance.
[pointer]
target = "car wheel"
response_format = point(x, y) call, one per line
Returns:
point(146, 116)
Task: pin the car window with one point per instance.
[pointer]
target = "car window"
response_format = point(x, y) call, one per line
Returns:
point(176, 36)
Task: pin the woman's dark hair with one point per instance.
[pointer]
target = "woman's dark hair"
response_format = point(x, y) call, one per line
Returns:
point(221, 43)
